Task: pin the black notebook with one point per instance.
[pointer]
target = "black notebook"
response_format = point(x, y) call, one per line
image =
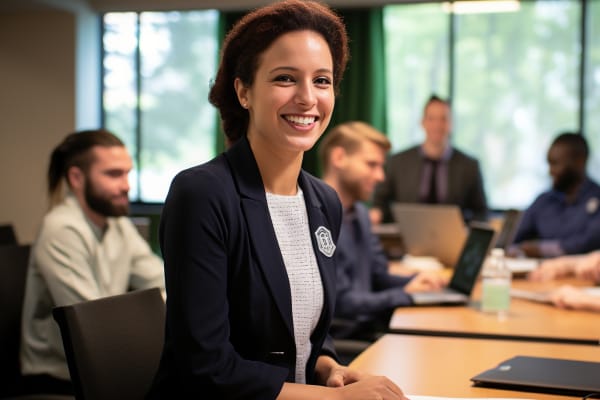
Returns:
point(543, 375)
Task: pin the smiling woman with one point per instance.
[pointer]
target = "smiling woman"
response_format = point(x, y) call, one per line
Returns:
point(248, 238)
point(290, 105)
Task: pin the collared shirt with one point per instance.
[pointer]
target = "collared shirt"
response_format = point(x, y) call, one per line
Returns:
point(71, 261)
point(562, 227)
point(441, 175)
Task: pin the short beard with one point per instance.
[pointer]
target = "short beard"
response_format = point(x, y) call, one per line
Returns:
point(103, 205)
point(354, 189)
point(569, 179)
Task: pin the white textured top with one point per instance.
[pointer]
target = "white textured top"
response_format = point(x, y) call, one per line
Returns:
point(290, 221)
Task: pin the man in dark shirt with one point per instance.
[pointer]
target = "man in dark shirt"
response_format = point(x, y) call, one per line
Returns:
point(566, 218)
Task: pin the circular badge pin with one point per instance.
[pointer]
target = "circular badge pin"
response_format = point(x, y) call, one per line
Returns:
point(592, 205)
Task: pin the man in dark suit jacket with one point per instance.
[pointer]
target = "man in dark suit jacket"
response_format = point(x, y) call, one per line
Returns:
point(433, 172)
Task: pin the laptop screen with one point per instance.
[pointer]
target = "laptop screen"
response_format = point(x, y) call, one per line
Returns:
point(434, 230)
point(471, 258)
point(512, 218)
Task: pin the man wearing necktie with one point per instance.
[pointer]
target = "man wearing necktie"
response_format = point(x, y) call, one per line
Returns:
point(433, 172)
point(352, 156)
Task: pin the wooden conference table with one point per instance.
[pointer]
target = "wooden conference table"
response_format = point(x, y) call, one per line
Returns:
point(526, 320)
point(443, 366)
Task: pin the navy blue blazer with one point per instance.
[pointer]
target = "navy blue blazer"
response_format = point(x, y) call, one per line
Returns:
point(229, 332)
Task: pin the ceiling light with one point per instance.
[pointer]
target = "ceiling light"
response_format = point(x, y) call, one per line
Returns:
point(481, 6)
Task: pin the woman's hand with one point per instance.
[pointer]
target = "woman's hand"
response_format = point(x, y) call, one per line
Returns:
point(371, 387)
point(342, 376)
point(351, 384)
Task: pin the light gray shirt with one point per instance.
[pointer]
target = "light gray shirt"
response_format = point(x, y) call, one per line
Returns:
point(73, 260)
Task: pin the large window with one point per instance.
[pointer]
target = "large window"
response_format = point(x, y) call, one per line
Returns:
point(416, 49)
point(514, 80)
point(515, 85)
point(157, 71)
point(591, 123)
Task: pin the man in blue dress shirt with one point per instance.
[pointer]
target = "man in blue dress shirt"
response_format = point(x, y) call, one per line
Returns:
point(565, 219)
point(353, 156)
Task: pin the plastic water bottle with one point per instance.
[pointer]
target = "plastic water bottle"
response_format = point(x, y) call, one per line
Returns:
point(496, 280)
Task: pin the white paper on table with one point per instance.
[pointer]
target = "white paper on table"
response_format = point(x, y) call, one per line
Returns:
point(413, 397)
point(521, 265)
point(593, 290)
point(422, 263)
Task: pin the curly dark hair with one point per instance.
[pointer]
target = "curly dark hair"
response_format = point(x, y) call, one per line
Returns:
point(252, 35)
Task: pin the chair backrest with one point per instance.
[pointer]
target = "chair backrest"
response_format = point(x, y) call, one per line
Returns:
point(113, 345)
point(13, 272)
point(7, 235)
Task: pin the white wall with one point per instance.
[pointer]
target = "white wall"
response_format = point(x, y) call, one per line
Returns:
point(37, 109)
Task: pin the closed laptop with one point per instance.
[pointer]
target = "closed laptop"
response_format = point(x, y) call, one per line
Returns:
point(543, 375)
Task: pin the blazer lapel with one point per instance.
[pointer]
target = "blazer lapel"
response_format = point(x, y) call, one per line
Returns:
point(261, 232)
point(260, 228)
point(322, 235)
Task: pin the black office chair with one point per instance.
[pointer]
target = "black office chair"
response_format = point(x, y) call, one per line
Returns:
point(113, 345)
point(7, 235)
point(13, 272)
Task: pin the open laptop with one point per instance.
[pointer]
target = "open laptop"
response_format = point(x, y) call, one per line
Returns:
point(510, 223)
point(465, 272)
point(435, 230)
point(519, 266)
point(546, 375)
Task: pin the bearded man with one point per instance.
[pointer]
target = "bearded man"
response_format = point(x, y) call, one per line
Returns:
point(353, 155)
point(87, 248)
point(565, 219)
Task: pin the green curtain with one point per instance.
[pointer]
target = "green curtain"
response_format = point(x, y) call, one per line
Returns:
point(362, 93)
